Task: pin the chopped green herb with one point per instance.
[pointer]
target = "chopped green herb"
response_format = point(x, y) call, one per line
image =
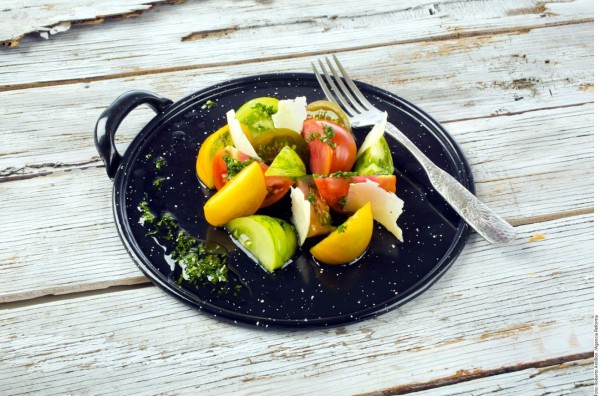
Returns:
point(149, 155)
point(234, 166)
point(329, 134)
point(158, 182)
point(343, 174)
point(266, 110)
point(341, 229)
point(146, 213)
point(202, 264)
point(160, 163)
point(209, 103)
point(342, 201)
point(257, 113)
point(312, 198)
point(166, 226)
point(325, 137)
point(313, 136)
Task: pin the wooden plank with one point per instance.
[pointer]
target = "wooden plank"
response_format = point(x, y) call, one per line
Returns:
point(569, 378)
point(39, 16)
point(496, 307)
point(521, 170)
point(517, 161)
point(195, 35)
point(507, 74)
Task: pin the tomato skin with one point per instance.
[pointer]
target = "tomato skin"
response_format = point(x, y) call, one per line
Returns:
point(270, 143)
point(335, 189)
point(277, 186)
point(341, 145)
point(320, 218)
point(216, 141)
point(220, 167)
point(387, 182)
point(256, 114)
point(326, 110)
point(320, 157)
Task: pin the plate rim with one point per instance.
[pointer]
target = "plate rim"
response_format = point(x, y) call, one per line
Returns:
point(156, 277)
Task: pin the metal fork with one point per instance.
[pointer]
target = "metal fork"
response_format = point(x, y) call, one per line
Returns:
point(362, 113)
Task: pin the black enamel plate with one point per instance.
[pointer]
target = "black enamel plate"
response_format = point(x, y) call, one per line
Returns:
point(303, 293)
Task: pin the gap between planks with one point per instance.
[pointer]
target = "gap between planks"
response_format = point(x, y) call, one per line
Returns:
point(465, 375)
point(514, 113)
point(437, 38)
point(93, 291)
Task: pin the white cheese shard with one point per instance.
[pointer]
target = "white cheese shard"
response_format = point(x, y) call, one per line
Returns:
point(291, 114)
point(240, 141)
point(386, 206)
point(373, 136)
point(300, 214)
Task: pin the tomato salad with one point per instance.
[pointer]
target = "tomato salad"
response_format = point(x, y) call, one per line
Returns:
point(270, 149)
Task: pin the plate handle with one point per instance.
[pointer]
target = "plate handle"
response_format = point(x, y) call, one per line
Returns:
point(111, 118)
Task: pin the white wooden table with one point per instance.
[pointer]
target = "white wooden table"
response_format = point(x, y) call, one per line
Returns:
point(512, 81)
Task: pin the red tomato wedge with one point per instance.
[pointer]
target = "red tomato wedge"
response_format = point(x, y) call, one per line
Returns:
point(277, 186)
point(320, 219)
point(332, 148)
point(220, 165)
point(335, 189)
point(321, 156)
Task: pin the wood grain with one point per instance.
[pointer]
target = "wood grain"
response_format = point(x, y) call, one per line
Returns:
point(263, 31)
point(65, 219)
point(571, 377)
point(142, 339)
point(507, 74)
point(511, 80)
point(39, 16)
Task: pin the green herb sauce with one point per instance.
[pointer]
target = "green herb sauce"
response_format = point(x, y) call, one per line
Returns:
point(203, 264)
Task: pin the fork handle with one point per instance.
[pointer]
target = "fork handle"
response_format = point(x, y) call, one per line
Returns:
point(483, 220)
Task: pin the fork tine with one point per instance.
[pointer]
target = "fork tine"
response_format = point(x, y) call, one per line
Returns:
point(341, 84)
point(342, 102)
point(330, 96)
point(353, 86)
point(324, 87)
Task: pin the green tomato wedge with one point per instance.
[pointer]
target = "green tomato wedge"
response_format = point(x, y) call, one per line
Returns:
point(271, 241)
point(375, 160)
point(268, 144)
point(290, 241)
point(256, 114)
point(288, 164)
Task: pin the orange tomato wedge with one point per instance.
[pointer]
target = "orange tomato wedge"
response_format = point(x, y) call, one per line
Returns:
point(241, 196)
point(204, 162)
point(348, 241)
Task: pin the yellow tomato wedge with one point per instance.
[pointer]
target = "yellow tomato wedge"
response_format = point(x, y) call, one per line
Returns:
point(348, 241)
point(241, 196)
point(204, 163)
